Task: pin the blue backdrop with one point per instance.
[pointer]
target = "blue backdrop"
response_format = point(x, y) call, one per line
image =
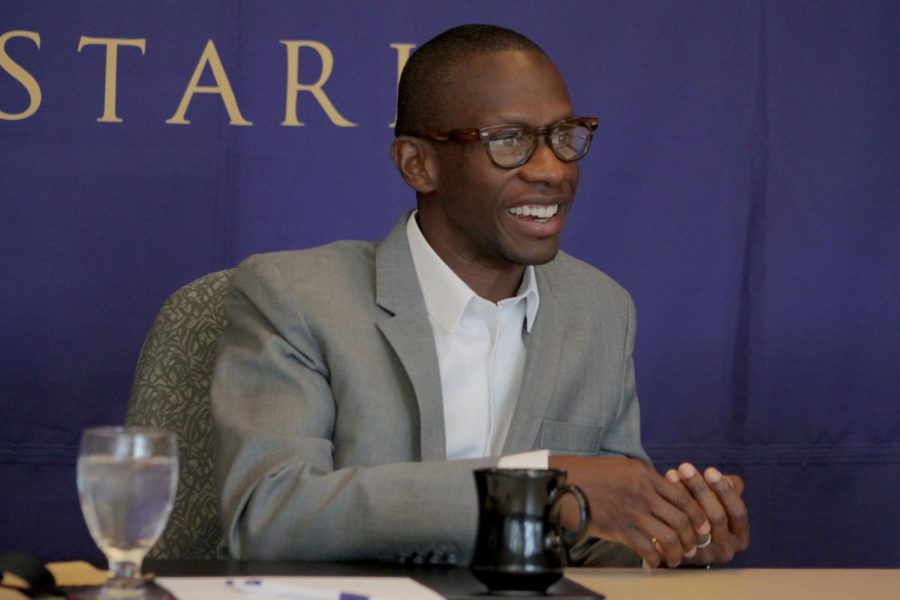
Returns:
point(744, 187)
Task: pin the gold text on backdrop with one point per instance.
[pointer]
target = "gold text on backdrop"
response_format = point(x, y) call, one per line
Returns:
point(209, 60)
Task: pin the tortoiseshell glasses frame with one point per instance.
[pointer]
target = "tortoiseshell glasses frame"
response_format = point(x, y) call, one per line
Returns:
point(511, 146)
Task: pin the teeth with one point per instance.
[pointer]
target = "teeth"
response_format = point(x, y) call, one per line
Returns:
point(535, 210)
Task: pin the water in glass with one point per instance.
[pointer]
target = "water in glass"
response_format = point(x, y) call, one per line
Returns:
point(126, 483)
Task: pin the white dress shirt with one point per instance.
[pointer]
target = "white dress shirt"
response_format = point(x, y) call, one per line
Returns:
point(481, 355)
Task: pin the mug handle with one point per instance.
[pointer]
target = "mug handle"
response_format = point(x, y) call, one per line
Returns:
point(572, 540)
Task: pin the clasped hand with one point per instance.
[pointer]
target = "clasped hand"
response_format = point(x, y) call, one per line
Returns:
point(682, 518)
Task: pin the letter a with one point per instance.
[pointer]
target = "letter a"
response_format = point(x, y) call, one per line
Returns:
point(222, 87)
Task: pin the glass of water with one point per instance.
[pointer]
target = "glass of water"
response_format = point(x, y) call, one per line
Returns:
point(126, 482)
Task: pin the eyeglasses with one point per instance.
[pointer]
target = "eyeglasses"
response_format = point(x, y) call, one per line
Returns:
point(511, 146)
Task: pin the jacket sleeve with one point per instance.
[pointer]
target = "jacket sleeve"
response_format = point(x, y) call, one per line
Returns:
point(624, 434)
point(274, 415)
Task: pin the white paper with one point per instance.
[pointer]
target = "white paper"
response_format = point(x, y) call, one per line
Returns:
point(383, 588)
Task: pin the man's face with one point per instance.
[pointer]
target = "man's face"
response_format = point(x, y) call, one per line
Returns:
point(477, 214)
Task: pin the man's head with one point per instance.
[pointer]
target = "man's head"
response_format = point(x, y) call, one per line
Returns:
point(479, 216)
point(425, 88)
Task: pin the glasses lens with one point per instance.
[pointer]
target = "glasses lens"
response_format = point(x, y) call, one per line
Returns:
point(510, 146)
point(570, 140)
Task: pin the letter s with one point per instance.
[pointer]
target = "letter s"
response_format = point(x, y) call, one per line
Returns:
point(21, 75)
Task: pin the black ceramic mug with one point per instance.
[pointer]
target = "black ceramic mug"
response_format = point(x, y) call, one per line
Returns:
point(520, 544)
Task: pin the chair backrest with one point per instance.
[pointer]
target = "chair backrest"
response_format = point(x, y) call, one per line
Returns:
point(171, 391)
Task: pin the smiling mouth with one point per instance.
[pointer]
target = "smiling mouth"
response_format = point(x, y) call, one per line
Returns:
point(538, 212)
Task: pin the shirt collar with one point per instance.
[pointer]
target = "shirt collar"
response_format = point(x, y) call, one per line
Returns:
point(446, 295)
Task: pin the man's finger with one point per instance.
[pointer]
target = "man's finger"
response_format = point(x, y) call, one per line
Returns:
point(737, 483)
point(639, 541)
point(733, 505)
point(722, 547)
point(689, 541)
point(665, 542)
point(682, 499)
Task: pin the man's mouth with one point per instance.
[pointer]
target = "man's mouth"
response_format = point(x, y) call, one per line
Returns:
point(539, 212)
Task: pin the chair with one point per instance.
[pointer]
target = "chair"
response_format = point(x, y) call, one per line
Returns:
point(171, 391)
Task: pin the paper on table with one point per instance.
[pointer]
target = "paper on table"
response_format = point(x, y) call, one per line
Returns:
point(215, 588)
point(75, 573)
point(65, 574)
point(11, 594)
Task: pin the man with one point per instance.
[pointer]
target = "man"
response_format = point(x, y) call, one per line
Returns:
point(358, 386)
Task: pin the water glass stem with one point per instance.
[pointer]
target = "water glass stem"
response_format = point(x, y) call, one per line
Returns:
point(125, 574)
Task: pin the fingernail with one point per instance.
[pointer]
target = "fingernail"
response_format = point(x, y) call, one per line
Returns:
point(704, 528)
point(687, 470)
point(690, 553)
point(713, 475)
point(672, 475)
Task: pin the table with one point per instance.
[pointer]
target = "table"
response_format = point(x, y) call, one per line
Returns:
point(741, 584)
point(615, 584)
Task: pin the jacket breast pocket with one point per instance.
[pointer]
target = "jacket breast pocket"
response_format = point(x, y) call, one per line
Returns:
point(571, 438)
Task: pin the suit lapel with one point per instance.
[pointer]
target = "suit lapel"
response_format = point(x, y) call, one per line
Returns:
point(408, 330)
point(544, 349)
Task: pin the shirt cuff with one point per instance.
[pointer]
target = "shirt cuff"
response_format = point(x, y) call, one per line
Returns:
point(536, 459)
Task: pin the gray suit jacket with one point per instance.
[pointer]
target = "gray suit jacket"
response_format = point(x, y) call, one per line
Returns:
point(326, 400)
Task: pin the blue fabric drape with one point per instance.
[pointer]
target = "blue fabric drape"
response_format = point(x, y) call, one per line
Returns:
point(743, 186)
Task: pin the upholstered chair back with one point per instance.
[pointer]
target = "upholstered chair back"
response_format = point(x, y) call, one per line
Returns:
point(171, 391)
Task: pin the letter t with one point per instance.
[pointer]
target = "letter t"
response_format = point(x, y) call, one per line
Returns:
point(112, 60)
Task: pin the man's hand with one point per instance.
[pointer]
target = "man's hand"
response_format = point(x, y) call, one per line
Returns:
point(720, 498)
point(633, 505)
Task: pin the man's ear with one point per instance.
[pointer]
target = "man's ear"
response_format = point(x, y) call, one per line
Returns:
point(414, 159)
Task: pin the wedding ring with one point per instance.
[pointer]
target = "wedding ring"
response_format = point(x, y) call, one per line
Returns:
point(705, 542)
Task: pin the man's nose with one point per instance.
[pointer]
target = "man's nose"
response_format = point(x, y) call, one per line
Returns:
point(544, 166)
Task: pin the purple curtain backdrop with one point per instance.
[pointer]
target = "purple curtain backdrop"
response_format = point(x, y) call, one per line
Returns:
point(744, 187)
